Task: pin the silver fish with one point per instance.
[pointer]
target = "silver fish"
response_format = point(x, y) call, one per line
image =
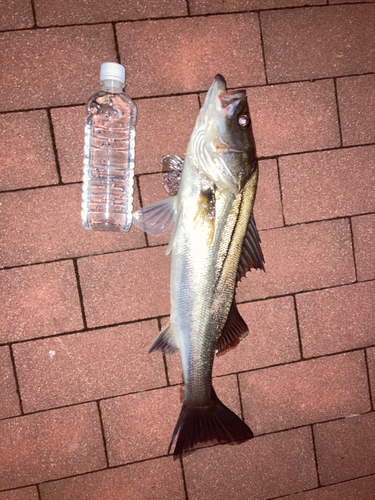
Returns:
point(214, 243)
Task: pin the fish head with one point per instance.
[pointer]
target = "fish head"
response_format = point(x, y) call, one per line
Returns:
point(222, 142)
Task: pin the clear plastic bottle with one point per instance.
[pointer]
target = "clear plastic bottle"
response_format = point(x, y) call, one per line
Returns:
point(108, 165)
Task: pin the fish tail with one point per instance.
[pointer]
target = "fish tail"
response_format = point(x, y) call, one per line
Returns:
point(214, 422)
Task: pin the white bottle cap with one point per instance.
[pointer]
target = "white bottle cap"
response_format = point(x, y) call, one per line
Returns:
point(112, 71)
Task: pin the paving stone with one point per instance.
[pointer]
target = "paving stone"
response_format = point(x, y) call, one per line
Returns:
point(364, 248)
point(45, 224)
point(82, 367)
point(273, 339)
point(50, 445)
point(164, 126)
point(53, 67)
point(303, 44)
point(303, 393)
point(212, 6)
point(26, 153)
point(68, 125)
point(356, 97)
point(16, 14)
point(300, 258)
point(151, 480)
point(371, 367)
point(38, 301)
point(267, 206)
point(9, 402)
point(262, 468)
point(294, 117)
point(130, 438)
point(30, 493)
point(136, 285)
point(80, 12)
point(337, 319)
point(362, 488)
point(175, 55)
point(328, 184)
point(345, 449)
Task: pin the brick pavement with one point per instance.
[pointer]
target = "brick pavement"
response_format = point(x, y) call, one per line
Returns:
point(85, 412)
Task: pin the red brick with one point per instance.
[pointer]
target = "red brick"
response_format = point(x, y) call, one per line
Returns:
point(294, 117)
point(337, 319)
point(38, 301)
point(151, 480)
point(328, 184)
point(16, 14)
point(371, 367)
point(68, 125)
point(345, 449)
point(30, 493)
point(45, 224)
point(9, 403)
point(131, 438)
point(302, 393)
point(362, 488)
point(212, 6)
point(364, 249)
point(356, 97)
point(26, 154)
point(136, 285)
point(303, 44)
point(273, 339)
point(53, 67)
point(301, 258)
point(80, 12)
point(175, 55)
point(267, 207)
point(259, 469)
point(164, 126)
point(86, 366)
point(50, 445)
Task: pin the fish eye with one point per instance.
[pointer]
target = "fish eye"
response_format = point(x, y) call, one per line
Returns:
point(243, 120)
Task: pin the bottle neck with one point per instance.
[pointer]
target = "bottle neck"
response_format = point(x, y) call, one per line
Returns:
point(112, 86)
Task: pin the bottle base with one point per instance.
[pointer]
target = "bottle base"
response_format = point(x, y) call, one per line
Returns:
point(108, 225)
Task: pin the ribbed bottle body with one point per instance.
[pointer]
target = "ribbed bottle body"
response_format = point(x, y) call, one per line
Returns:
point(108, 175)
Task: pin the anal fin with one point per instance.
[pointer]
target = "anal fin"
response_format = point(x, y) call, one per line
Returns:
point(234, 331)
point(165, 341)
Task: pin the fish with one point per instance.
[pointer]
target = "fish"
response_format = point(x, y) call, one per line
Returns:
point(213, 244)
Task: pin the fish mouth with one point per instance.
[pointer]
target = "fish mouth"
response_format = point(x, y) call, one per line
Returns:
point(218, 86)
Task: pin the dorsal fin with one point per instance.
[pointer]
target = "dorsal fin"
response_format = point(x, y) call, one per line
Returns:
point(252, 255)
point(234, 331)
point(171, 169)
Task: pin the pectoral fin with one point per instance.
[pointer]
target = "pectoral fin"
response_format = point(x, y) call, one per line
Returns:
point(252, 255)
point(157, 218)
point(234, 331)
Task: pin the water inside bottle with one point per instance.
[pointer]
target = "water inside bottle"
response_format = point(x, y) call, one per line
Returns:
point(109, 163)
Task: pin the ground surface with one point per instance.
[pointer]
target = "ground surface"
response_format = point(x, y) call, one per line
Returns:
point(86, 413)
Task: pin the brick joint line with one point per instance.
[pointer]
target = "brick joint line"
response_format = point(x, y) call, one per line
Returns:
point(280, 191)
point(116, 43)
point(102, 432)
point(338, 111)
point(369, 380)
point(80, 295)
point(240, 396)
point(184, 478)
point(34, 13)
point(298, 326)
point(38, 491)
point(16, 379)
point(262, 47)
point(315, 454)
point(54, 147)
point(353, 249)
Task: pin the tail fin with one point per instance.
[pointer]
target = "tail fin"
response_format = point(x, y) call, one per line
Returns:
point(204, 424)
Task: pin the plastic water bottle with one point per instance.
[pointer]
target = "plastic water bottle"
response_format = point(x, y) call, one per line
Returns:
point(108, 165)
